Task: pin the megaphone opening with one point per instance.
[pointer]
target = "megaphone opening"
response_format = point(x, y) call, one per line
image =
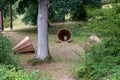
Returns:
point(64, 35)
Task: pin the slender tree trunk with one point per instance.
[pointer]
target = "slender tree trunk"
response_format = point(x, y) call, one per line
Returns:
point(42, 23)
point(1, 21)
point(11, 24)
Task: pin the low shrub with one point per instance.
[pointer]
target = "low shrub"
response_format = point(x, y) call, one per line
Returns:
point(99, 64)
point(5, 49)
point(12, 74)
point(6, 56)
point(103, 60)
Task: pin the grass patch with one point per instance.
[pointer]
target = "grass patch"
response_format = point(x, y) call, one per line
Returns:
point(36, 61)
point(7, 73)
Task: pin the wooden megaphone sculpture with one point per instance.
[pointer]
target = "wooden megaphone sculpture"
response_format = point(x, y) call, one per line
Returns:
point(64, 35)
point(24, 46)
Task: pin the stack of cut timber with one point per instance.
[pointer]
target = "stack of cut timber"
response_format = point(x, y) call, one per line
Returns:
point(24, 46)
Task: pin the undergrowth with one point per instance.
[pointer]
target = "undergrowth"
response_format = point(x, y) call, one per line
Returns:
point(6, 56)
point(103, 60)
point(12, 74)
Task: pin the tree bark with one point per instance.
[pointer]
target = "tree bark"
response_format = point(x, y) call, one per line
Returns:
point(1, 21)
point(11, 24)
point(42, 23)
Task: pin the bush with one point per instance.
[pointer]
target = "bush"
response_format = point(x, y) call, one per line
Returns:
point(103, 22)
point(6, 56)
point(99, 64)
point(5, 49)
point(12, 74)
point(103, 60)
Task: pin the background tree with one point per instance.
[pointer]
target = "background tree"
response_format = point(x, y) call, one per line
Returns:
point(57, 11)
point(30, 15)
point(2, 4)
point(10, 2)
point(1, 21)
point(59, 8)
point(6, 8)
point(93, 3)
point(77, 10)
point(42, 23)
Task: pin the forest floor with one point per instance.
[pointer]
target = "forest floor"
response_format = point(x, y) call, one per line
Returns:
point(64, 55)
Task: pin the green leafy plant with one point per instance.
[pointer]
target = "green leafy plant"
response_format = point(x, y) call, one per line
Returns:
point(103, 60)
point(12, 74)
point(5, 49)
point(6, 56)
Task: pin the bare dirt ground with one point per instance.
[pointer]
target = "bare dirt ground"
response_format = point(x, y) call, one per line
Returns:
point(63, 54)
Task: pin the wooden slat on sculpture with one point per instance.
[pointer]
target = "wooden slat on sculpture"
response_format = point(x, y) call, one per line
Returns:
point(24, 46)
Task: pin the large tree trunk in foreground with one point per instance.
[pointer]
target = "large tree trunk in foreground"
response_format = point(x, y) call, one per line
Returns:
point(11, 24)
point(1, 21)
point(42, 23)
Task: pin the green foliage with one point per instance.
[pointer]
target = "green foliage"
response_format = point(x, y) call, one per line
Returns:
point(4, 7)
point(12, 74)
point(77, 10)
point(35, 61)
point(2, 4)
point(75, 28)
point(106, 1)
point(14, 12)
point(5, 49)
point(22, 4)
point(6, 19)
point(58, 10)
point(9, 67)
point(6, 56)
point(93, 3)
point(103, 22)
point(30, 16)
point(103, 60)
point(99, 64)
point(6, 22)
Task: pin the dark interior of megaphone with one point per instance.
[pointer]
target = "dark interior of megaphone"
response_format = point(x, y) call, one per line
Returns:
point(64, 35)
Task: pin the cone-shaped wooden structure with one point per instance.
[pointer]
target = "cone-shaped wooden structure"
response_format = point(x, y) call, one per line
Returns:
point(24, 46)
point(64, 35)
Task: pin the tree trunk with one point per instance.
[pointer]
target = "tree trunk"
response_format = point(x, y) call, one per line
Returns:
point(1, 21)
point(42, 23)
point(11, 25)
